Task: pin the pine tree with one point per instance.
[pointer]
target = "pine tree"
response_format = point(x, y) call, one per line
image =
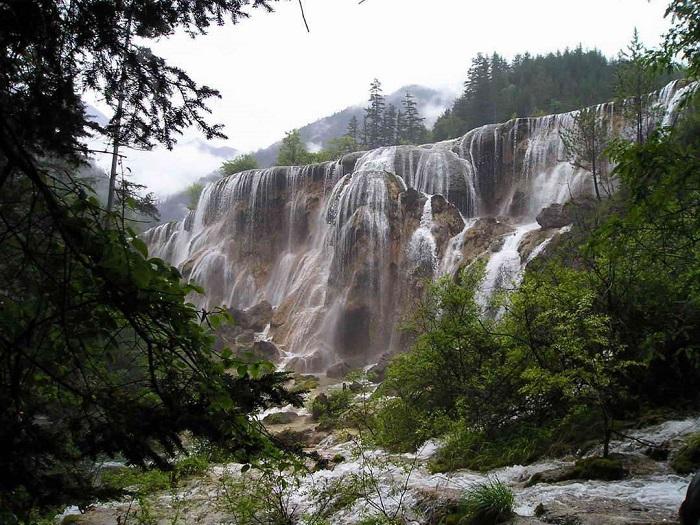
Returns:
point(634, 81)
point(414, 130)
point(374, 115)
point(400, 131)
point(389, 126)
point(478, 108)
point(353, 129)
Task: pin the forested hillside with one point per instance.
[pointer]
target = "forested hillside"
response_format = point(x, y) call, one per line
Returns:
point(497, 89)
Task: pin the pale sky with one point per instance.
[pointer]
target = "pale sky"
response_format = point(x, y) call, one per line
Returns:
point(274, 76)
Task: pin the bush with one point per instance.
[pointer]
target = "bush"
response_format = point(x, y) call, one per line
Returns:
point(464, 448)
point(488, 503)
point(687, 459)
point(327, 408)
point(191, 466)
point(398, 426)
point(136, 480)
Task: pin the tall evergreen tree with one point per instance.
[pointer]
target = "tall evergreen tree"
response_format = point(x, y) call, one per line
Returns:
point(374, 115)
point(400, 126)
point(635, 80)
point(353, 129)
point(389, 126)
point(414, 130)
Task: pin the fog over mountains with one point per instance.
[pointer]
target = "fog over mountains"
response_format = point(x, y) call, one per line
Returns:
point(431, 103)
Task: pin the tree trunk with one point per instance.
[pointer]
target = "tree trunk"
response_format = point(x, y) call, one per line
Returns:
point(607, 431)
point(118, 121)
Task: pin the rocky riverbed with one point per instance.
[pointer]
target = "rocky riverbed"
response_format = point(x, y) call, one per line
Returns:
point(348, 482)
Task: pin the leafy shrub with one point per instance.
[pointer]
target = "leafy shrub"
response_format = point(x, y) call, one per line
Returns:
point(399, 427)
point(327, 408)
point(488, 503)
point(136, 480)
point(464, 448)
point(687, 459)
point(191, 466)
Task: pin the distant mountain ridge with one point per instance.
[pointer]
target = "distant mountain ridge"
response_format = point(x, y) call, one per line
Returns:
point(431, 103)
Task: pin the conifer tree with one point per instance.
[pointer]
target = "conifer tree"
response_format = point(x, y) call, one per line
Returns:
point(635, 80)
point(389, 126)
point(414, 130)
point(353, 129)
point(400, 126)
point(374, 115)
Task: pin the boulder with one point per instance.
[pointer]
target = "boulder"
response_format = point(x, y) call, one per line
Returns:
point(554, 216)
point(265, 350)
point(281, 418)
point(259, 316)
point(245, 338)
point(338, 370)
point(309, 363)
point(690, 508)
point(377, 372)
point(255, 318)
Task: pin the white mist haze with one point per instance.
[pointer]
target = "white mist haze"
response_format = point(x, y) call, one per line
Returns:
point(274, 76)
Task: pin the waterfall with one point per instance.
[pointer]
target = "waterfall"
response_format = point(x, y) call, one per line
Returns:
point(422, 250)
point(335, 249)
point(504, 268)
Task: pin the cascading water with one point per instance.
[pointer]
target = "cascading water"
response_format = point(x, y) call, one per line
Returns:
point(335, 247)
point(422, 250)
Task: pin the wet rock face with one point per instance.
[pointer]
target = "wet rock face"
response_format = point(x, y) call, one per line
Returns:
point(340, 251)
point(690, 508)
point(554, 216)
point(486, 235)
point(338, 370)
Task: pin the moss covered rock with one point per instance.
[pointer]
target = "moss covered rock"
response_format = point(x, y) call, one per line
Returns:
point(607, 469)
point(687, 459)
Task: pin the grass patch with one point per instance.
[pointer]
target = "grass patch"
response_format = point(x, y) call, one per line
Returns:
point(487, 503)
point(144, 482)
point(687, 459)
point(136, 480)
point(475, 451)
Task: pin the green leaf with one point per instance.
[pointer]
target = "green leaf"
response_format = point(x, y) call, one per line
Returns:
point(140, 246)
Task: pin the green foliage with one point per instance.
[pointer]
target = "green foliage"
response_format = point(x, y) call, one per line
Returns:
point(585, 143)
point(687, 459)
point(293, 151)
point(336, 148)
point(108, 357)
point(488, 503)
point(193, 192)
point(135, 480)
point(329, 407)
point(497, 90)
point(516, 445)
point(454, 368)
point(398, 426)
point(240, 163)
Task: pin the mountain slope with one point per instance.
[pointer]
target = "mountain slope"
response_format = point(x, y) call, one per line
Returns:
point(431, 103)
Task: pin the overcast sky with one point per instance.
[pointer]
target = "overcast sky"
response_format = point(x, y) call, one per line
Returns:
point(274, 76)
